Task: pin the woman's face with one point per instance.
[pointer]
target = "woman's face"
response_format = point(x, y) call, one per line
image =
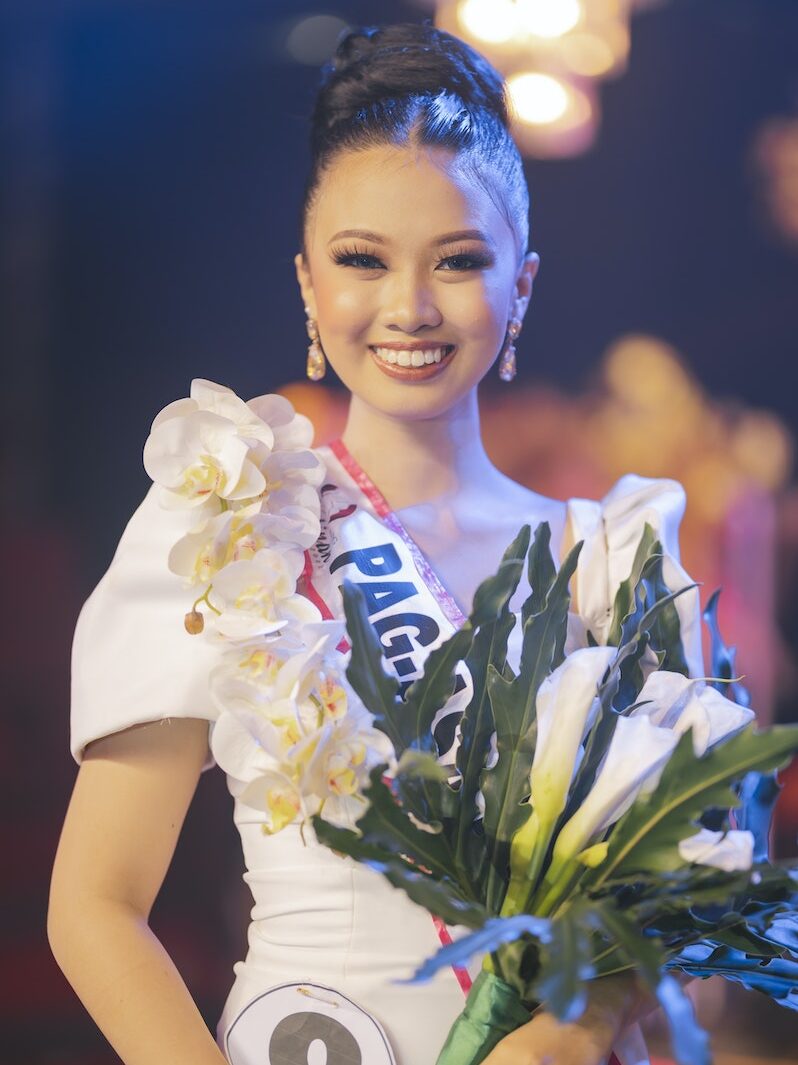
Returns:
point(408, 258)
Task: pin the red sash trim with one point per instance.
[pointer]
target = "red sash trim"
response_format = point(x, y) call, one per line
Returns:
point(389, 518)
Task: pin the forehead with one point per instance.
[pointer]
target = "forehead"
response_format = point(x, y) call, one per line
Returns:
point(407, 193)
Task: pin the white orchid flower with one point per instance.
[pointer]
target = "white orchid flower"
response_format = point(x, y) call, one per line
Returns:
point(250, 750)
point(291, 479)
point(638, 750)
point(235, 535)
point(246, 744)
point(730, 851)
point(344, 754)
point(292, 431)
point(209, 396)
point(258, 595)
point(679, 703)
point(198, 456)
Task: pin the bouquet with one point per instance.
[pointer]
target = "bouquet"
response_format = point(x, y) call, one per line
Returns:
point(586, 826)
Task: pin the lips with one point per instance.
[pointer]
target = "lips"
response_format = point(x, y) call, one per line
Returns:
point(396, 361)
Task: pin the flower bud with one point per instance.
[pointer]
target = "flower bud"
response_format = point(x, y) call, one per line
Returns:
point(194, 622)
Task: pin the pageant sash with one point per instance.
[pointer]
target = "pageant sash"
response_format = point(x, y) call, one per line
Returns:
point(406, 613)
point(363, 541)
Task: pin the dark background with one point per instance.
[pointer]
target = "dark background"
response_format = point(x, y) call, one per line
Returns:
point(153, 156)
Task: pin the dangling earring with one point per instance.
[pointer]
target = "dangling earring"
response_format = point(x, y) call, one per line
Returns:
point(507, 365)
point(316, 364)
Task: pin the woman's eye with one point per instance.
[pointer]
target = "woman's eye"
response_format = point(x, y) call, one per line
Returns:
point(465, 262)
point(459, 263)
point(358, 259)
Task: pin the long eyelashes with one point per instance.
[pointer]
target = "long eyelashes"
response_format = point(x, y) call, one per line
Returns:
point(363, 260)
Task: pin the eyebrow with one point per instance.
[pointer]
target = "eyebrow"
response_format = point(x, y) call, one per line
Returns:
point(444, 238)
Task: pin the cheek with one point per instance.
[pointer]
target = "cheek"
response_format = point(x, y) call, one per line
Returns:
point(346, 307)
point(479, 309)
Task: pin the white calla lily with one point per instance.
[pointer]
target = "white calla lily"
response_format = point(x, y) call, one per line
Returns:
point(566, 707)
point(637, 751)
point(730, 851)
point(674, 701)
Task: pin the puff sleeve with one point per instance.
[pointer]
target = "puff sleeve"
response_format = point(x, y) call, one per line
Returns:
point(611, 529)
point(132, 659)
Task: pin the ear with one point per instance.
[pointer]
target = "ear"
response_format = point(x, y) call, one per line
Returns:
point(522, 292)
point(305, 284)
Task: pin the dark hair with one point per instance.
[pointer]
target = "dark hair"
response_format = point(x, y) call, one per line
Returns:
point(413, 83)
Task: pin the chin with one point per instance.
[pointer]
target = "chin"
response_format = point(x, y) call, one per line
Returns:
point(414, 402)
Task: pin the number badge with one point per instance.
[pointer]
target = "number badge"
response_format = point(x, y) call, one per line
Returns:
point(306, 1024)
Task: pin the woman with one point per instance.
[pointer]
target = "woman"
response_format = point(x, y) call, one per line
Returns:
point(416, 279)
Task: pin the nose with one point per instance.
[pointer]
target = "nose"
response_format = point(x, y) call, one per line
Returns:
point(409, 303)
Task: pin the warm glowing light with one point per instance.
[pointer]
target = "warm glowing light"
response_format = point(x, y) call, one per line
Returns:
point(587, 55)
point(548, 18)
point(538, 98)
point(492, 21)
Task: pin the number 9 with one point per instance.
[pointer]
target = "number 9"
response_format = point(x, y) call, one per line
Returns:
point(305, 1024)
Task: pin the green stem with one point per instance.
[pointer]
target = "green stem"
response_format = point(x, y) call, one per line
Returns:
point(204, 599)
point(527, 852)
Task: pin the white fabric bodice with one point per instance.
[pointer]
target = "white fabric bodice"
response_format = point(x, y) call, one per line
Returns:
point(328, 937)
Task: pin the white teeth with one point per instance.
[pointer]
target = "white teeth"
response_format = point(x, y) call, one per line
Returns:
point(407, 357)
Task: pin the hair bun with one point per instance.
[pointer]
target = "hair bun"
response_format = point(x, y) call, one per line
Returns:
point(375, 63)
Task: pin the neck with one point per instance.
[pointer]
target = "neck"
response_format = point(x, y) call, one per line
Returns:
point(414, 462)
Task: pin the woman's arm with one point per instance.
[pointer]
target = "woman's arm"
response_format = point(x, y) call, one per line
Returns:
point(119, 835)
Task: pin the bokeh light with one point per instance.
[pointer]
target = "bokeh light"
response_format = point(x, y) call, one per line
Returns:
point(491, 21)
point(548, 18)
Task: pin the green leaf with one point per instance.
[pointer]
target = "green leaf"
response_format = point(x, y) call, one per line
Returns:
point(647, 836)
point(721, 657)
point(689, 1041)
point(758, 793)
point(495, 933)
point(488, 650)
point(505, 785)
point(378, 690)
point(439, 896)
point(732, 931)
point(541, 572)
point(566, 965)
point(777, 978)
point(425, 696)
point(386, 824)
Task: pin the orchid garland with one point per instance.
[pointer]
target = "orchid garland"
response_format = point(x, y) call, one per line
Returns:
point(292, 739)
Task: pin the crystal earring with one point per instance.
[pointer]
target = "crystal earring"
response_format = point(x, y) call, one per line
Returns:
point(507, 366)
point(316, 364)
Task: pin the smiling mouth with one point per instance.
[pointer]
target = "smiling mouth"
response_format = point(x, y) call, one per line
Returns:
point(412, 364)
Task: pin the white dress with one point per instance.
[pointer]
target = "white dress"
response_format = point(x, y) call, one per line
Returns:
point(328, 938)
